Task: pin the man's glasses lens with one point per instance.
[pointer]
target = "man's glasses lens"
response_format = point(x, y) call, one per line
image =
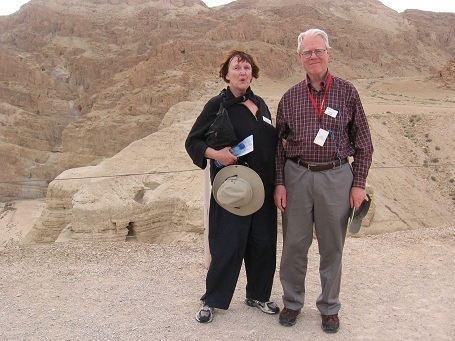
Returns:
point(318, 53)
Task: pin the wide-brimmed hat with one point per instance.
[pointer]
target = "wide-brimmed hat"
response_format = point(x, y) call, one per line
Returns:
point(356, 216)
point(238, 189)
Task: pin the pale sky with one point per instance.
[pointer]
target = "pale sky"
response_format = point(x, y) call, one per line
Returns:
point(10, 6)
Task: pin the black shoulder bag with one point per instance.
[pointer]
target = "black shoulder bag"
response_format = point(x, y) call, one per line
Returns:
point(221, 132)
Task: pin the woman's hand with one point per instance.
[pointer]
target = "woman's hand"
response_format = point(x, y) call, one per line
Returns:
point(223, 155)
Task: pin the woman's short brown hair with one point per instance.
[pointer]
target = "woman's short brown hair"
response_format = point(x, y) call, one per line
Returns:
point(243, 57)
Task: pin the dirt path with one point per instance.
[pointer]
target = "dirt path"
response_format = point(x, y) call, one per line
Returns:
point(396, 286)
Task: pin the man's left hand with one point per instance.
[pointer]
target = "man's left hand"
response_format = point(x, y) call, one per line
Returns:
point(357, 196)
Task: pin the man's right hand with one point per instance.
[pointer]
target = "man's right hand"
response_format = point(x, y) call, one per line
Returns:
point(280, 197)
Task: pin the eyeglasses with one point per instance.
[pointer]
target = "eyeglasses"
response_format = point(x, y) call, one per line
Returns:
point(308, 54)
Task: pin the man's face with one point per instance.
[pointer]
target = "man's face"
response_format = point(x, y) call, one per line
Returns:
point(313, 64)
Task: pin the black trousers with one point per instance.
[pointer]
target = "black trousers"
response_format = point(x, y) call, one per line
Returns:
point(233, 239)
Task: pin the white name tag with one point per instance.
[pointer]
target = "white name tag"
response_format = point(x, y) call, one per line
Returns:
point(321, 137)
point(269, 121)
point(331, 112)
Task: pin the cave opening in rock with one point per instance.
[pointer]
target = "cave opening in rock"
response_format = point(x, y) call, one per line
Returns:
point(131, 236)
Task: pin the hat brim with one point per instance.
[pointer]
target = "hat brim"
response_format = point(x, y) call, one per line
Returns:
point(253, 180)
point(356, 216)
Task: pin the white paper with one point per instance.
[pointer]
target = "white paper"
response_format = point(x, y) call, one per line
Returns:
point(244, 147)
point(321, 137)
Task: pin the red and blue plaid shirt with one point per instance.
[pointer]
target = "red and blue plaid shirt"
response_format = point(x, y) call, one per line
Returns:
point(349, 134)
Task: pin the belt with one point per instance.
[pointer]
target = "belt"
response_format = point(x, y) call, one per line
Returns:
point(317, 167)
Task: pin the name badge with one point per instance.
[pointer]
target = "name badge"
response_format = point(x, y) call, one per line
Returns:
point(269, 121)
point(321, 137)
point(331, 112)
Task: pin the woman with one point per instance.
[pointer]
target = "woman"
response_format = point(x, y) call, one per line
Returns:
point(234, 238)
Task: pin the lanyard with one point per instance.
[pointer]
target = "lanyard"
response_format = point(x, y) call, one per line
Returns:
point(313, 101)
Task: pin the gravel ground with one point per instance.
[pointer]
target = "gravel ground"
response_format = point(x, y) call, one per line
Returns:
point(396, 286)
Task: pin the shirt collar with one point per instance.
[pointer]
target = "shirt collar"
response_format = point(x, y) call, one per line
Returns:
point(248, 95)
point(323, 83)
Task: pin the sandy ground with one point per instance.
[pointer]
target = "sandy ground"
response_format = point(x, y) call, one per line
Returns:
point(396, 286)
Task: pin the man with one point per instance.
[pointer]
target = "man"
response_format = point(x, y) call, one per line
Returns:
point(322, 122)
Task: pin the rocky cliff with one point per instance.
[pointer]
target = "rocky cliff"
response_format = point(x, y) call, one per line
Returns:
point(80, 80)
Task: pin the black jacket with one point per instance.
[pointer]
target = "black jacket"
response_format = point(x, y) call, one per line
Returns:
point(262, 159)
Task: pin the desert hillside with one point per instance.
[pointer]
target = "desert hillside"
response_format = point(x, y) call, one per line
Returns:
point(96, 99)
point(82, 79)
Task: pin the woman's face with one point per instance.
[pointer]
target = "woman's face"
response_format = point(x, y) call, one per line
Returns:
point(240, 75)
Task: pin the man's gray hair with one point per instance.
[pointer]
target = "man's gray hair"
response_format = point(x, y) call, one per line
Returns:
point(312, 32)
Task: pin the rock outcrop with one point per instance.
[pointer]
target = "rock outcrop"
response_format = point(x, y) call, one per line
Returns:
point(96, 97)
point(149, 190)
point(82, 79)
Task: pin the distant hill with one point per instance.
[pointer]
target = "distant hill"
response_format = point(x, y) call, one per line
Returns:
point(82, 79)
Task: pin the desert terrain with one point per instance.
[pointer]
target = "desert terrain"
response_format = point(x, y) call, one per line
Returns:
point(396, 286)
point(398, 271)
point(96, 100)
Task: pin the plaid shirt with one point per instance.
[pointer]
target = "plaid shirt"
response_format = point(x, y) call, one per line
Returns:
point(349, 134)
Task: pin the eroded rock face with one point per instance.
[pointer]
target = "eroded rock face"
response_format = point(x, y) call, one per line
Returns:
point(82, 79)
point(151, 192)
point(78, 84)
point(150, 189)
point(85, 86)
point(447, 74)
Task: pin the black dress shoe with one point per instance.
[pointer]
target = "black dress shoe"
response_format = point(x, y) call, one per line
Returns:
point(330, 323)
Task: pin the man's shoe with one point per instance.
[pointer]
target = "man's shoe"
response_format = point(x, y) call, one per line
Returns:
point(268, 307)
point(288, 317)
point(330, 323)
point(205, 314)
